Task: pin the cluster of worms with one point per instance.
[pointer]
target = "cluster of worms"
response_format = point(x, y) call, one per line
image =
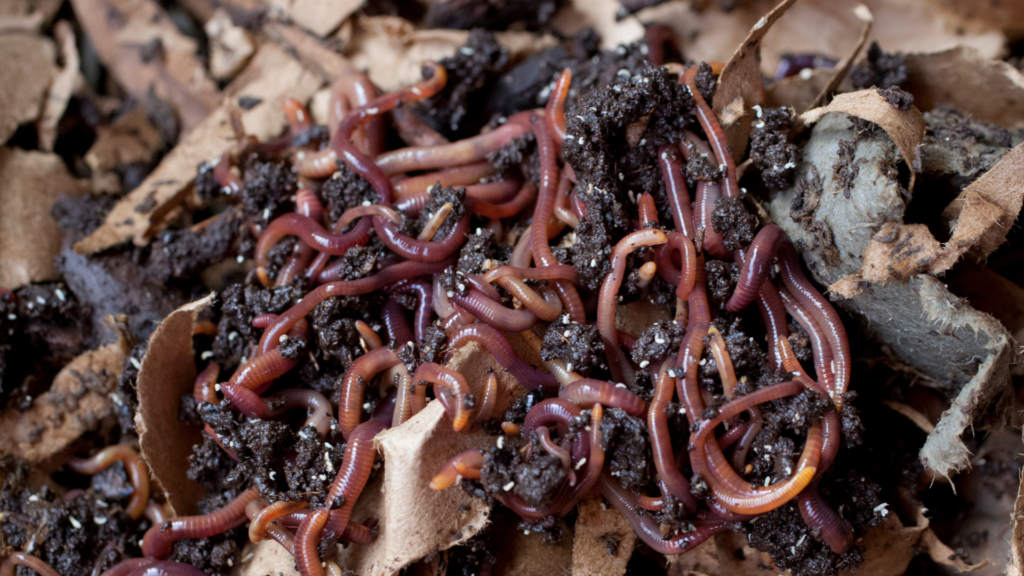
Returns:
point(543, 290)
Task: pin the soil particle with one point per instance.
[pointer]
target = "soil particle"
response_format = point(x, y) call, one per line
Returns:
point(800, 342)
point(207, 187)
point(699, 169)
point(333, 323)
point(783, 534)
point(126, 396)
point(481, 252)
point(517, 409)
point(881, 70)
point(79, 216)
point(627, 448)
point(706, 82)
point(361, 261)
point(808, 194)
point(520, 151)
point(432, 344)
point(616, 131)
point(492, 15)
point(469, 557)
point(897, 98)
point(438, 198)
point(736, 225)
point(239, 305)
point(722, 278)
point(592, 250)
point(456, 111)
point(267, 189)
point(846, 168)
point(181, 254)
point(580, 346)
point(538, 477)
point(657, 341)
point(345, 189)
point(771, 150)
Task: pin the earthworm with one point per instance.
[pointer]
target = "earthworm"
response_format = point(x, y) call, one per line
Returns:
point(258, 373)
point(202, 328)
point(587, 392)
point(473, 149)
point(319, 164)
point(387, 276)
point(579, 208)
point(298, 118)
point(490, 398)
point(353, 88)
point(309, 232)
point(723, 362)
point(558, 272)
point(156, 513)
point(357, 465)
point(648, 212)
point(612, 282)
point(308, 205)
point(361, 231)
point(434, 222)
point(562, 211)
point(555, 109)
point(464, 465)
point(442, 306)
point(317, 407)
point(497, 345)
point(656, 37)
point(424, 303)
point(822, 351)
point(739, 454)
point(204, 389)
point(122, 568)
point(457, 320)
point(542, 214)
point(133, 465)
point(646, 273)
point(713, 129)
point(670, 479)
point(758, 263)
point(307, 536)
point(419, 250)
point(230, 183)
point(493, 313)
point(530, 299)
point(371, 340)
point(773, 313)
point(358, 375)
point(544, 437)
point(558, 411)
point(158, 539)
point(448, 177)
point(707, 194)
point(392, 314)
point(266, 516)
point(452, 381)
point(412, 130)
point(648, 529)
point(21, 559)
point(506, 209)
point(692, 346)
point(681, 277)
point(166, 568)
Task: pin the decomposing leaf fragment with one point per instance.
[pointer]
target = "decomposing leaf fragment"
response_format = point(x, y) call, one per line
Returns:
point(271, 76)
point(168, 371)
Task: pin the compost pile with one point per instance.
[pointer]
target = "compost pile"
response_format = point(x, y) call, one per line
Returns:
point(514, 288)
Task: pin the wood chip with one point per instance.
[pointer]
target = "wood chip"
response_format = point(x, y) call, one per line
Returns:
point(143, 50)
point(24, 78)
point(30, 182)
point(270, 77)
point(168, 371)
point(69, 409)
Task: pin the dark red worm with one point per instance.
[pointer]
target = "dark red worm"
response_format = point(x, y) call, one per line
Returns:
point(421, 250)
point(158, 540)
point(495, 343)
point(559, 272)
point(670, 479)
point(493, 313)
point(545, 306)
point(555, 109)
point(704, 201)
point(137, 471)
point(456, 320)
point(378, 281)
point(424, 303)
point(454, 176)
point(758, 263)
point(774, 315)
point(307, 537)
point(358, 375)
point(822, 351)
point(317, 407)
point(648, 529)
point(307, 204)
point(586, 392)
point(709, 122)
point(490, 197)
point(453, 382)
point(683, 276)
point(506, 209)
point(542, 215)
point(393, 316)
point(579, 208)
point(310, 232)
point(553, 411)
point(413, 131)
point(259, 372)
point(28, 561)
point(466, 151)
point(543, 434)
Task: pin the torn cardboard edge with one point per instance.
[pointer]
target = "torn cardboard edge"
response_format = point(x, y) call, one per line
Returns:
point(271, 76)
point(980, 218)
point(167, 373)
point(740, 85)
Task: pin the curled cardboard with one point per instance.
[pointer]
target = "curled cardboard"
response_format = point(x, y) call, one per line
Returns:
point(270, 77)
point(168, 371)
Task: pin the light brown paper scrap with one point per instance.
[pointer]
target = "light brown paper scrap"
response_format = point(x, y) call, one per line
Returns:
point(129, 139)
point(61, 415)
point(740, 86)
point(320, 17)
point(905, 127)
point(230, 46)
point(26, 74)
point(271, 76)
point(595, 524)
point(60, 91)
point(601, 16)
point(30, 182)
point(167, 372)
point(119, 29)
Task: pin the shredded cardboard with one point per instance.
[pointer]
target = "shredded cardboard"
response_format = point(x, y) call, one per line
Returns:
point(310, 51)
point(168, 372)
point(320, 17)
point(76, 403)
point(60, 91)
point(230, 46)
point(601, 16)
point(603, 540)
point(30, 182)
point(24, 78)
point(740, 86)
point(129, 139)
point(905, 127)
point(121, 29)
point(801, 93)
point(270, 77)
